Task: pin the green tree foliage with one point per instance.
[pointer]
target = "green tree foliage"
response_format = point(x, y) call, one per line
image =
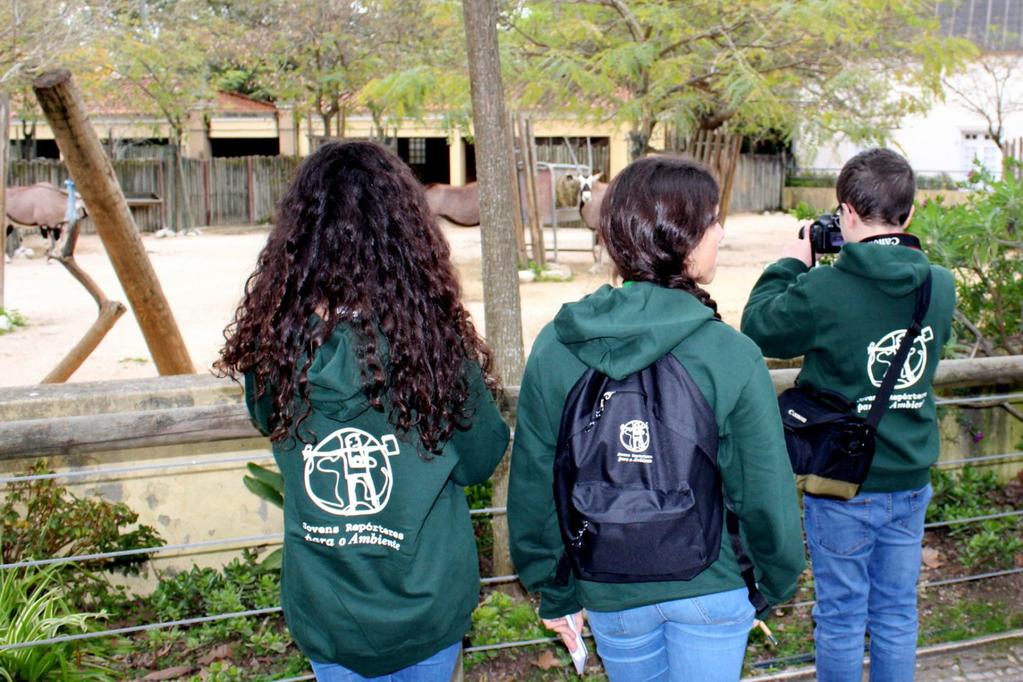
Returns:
point(762, 65)
point(395, 59)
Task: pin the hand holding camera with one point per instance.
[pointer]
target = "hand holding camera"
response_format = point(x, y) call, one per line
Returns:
point(823, 236)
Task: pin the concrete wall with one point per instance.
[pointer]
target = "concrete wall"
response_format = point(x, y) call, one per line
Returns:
point(823, 198)
point(187, 504)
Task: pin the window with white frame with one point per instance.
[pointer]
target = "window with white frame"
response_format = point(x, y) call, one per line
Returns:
point(980, 146)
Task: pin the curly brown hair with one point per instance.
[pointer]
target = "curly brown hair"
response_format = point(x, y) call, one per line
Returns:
point(354, 244)
point(655, 212)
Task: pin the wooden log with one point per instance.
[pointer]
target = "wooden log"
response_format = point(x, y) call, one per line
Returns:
point(175, 419)
point(109, 312)
point(83, 153)
point(123, 430)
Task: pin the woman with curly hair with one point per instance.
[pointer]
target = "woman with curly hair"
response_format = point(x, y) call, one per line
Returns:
point(379, 398)
point(659, 223)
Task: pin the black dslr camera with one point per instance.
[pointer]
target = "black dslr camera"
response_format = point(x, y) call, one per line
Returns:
point(825, 233)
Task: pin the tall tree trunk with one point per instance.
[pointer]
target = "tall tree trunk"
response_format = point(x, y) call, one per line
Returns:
point(83, 154)
point(496, 172)
point(325, 117)
point(5, 122)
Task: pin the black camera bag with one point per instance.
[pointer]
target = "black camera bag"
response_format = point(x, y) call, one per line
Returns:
point(831, 447)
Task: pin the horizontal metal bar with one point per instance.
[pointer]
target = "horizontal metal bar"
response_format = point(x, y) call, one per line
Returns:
point(924, 585)
point(509, 645)
point(245, 541)
point(185, 622)
point(82, 473)
point(497, 579)
point(277, 538)
point(980, 459)
point(505, 645)
point(973, 519)
point(488, 510)
point(993, 399)
point(969, 578)
point(929, 650)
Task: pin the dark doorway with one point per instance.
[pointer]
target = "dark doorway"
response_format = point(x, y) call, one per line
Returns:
point(427, 157)
point(222, 147)
point(470, 162)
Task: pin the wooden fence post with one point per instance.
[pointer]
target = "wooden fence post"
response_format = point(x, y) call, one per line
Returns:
point(83, 153)
point(206, 191)
point(251, 184)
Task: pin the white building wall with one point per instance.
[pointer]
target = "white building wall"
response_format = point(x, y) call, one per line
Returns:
point(944, 140)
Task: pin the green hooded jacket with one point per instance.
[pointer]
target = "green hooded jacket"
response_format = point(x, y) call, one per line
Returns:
point(380, 568)
point(847, 321)
point(620, 331)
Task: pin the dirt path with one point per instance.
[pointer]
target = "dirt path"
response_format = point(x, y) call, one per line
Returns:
point(203, 279)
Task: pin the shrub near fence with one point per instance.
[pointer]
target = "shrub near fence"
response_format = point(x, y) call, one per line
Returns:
point(235, 191)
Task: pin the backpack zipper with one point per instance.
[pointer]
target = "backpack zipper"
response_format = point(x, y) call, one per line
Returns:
point(600, 410)
point(577, 539)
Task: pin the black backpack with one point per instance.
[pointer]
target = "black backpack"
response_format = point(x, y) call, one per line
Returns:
point(636, 482)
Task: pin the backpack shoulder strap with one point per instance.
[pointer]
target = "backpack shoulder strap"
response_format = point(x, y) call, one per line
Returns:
point(745, 563)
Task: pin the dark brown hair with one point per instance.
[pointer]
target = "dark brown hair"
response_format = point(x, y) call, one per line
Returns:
point(654, 214)
point(879, 184)
point(355, 243)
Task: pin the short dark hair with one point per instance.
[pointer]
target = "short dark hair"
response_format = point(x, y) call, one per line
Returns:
point(879, 184)
point(654, 214)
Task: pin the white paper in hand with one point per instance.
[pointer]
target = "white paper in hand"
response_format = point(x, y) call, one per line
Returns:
point(579, 655)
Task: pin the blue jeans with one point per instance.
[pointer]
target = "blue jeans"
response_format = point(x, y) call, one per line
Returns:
point(436, 668)
point(700, 638)
point(866, 561)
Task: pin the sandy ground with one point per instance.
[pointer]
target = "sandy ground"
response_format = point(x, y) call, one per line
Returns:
point(203, 278)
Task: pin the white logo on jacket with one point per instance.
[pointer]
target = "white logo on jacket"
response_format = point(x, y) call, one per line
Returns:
point(354, 478)
point(881, 354)
point(634, 435)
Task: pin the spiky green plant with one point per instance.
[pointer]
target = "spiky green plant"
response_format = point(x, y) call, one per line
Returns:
point(34, 606)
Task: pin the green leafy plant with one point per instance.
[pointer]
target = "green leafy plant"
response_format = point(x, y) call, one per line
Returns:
point(268, 485)
point(501, 618)
point(40, 519)
point(10, 320)
point(993, 543)
point(980, 242)
point(803, 211)
point(241, 585)
point(34, 606)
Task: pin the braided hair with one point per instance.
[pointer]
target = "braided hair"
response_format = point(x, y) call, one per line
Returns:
point(654, 214)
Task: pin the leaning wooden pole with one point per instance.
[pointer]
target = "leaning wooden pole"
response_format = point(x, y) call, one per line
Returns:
point(94, 177)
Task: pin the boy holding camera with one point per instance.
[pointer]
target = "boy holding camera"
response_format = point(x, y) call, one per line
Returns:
point(847, 320)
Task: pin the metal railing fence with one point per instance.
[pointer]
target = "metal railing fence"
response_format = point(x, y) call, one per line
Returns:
point(106, 472)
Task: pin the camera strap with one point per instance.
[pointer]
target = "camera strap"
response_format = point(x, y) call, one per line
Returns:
point(894, 239)
point(923, 301)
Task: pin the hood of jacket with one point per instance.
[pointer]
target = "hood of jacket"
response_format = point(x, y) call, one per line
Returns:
point(621, 330)
point(335, 382)
point(898, 270)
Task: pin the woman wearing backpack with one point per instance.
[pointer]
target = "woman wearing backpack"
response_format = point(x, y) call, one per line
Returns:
point(365, 370)
point(659, 224)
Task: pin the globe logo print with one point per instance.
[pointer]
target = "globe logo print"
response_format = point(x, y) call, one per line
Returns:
point(634, 435)
point(348, 473)
point(881, 354)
